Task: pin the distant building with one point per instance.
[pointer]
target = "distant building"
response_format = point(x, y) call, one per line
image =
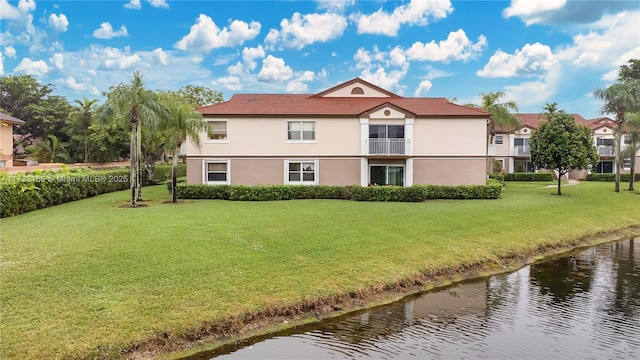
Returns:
point(6, 139)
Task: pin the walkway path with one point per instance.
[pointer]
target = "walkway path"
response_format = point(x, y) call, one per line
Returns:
point(570, 182)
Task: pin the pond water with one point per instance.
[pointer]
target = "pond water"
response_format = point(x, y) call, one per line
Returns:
point(585, 305)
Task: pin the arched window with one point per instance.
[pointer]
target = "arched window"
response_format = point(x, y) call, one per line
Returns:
point(357, 91)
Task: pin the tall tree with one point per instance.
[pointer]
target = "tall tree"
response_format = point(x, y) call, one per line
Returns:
point(198, 96)
point(619, 99)
point(502, 114)
point(561, 144)
point(51, 149)
point(138, 106)
point(629, 71)
point(81, 121)
point(182, 122)
point(633, 145)
point(44, 114)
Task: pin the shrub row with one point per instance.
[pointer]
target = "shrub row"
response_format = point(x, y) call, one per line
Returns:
point(612, 177)
point(163, 173)
point(22, 193)
point(414, 193)
point(522, 176)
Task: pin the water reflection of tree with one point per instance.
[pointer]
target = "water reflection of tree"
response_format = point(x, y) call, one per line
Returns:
point(627, 300)
point(564, 277)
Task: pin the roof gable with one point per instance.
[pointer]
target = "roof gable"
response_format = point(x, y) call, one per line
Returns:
point(8, 119)
point(357, 88)
point(388, 111)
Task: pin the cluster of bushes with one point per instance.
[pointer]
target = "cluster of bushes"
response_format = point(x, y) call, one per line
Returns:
point(163, 173)
point(527, 176)
point(612, 177)
point(24, 192)
point(414, 193)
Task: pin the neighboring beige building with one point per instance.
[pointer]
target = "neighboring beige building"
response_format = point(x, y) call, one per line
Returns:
point(353, 133)
point(511, 149)
point(6, 139)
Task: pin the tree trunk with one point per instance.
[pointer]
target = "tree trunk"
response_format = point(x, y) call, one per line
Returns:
point(139, 158)
point(559, 181)
point(632, 172)
point(174, 177)
point(134, 163)
point(618, 136)
point(86, 147)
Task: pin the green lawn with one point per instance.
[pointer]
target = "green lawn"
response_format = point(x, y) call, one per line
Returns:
point(92, 278)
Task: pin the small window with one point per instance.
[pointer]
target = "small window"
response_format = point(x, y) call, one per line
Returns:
point(218, 130)
point(498, 140)
point(301, 131)
point(217, 172)
point(357, 91)
point(301, 172)
point(626, 139)
point(626, 163)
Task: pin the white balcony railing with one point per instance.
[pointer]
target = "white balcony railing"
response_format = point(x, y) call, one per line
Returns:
point(521, 150)
point(388, 146)
point(605, 150)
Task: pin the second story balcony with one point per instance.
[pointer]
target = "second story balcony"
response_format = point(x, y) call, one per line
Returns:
point(387, 147)
point(605, 150)
point(521, 150)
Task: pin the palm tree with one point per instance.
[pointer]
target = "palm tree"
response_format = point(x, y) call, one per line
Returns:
point(134, 104)
point(182, 122)
point(619, 99)
point(501, 115)
point(52, 149)
point(633, 127)
point(83, 116)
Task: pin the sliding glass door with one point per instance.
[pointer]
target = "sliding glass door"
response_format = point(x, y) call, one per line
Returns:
point(386, 175)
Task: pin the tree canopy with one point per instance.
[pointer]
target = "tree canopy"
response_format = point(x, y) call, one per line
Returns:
point(563, 145)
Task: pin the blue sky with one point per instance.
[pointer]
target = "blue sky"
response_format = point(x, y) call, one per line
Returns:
point(535, 51)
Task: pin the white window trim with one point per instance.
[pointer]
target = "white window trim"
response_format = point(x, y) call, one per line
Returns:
point(404, 172)
point(623, 163)
point(213, 141)
point(216, 161)
point(316, 172)
point(495, 140)
point(301, 141)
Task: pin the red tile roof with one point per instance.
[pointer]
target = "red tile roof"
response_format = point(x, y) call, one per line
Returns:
point(532, 120)
point(10, 119)
point(319, 105)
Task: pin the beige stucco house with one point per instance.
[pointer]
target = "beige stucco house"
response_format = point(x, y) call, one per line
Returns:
point(353, 133)
point(511, 149)
point(6, 139)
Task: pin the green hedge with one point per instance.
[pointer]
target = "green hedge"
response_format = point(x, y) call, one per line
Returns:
point(612, 177)
point(414, 193)
point(22, 193)
point(521, 176)
point(163, 173)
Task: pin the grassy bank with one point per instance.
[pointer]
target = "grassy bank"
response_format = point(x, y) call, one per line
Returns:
point(90, 278)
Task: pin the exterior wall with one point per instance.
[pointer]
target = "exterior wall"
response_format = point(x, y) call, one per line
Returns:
point(458, 137)
point(268, 137)
point(339, 172)
point(346, 92)
point(257, 171)
point(194, 171)
point(6, 145)
point(449, 171)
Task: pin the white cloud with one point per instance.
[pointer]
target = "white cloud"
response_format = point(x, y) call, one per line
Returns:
point(230, 82)
point(532, 11)
point(533, 59)
point(537, 92)
point(397, 57)
point(58, 23)
point(159, 4)
point(133, 4)
point(92, 72)
point(236, 69)
point(30, 67)
point(250, 54)
point(455, 48)
point(9, 11)
point(610, 76)
point(196, 59)
point(57, 60)
point(387, 81)
point(205, 35)
point(116, 58)
point(298, 85)
point(274, 70)
point(307, 29)
point(72, 83)
point(433, 73)
point(366, 60)
point(423, 88)
point(26, 6)
point(10, 51)
point(335, 5)
point(615, 36)
point(106, 31)
point(417, 12)
point(161, 56)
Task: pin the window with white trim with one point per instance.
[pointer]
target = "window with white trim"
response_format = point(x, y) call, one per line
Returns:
point(216, 172)
point(303, 172)
point(626, 163)
point(301, 131)
point(498, 140)
point(217, 131)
